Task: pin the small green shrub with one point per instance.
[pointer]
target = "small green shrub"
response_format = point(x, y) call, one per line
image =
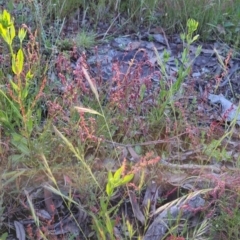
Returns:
point(20, 94)
point(85, 39)
point(167, 91)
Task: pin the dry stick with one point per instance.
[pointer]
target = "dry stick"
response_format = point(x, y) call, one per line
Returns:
point(212, 168)
point(165, 38)
point(235, 69)
point(185, 155)
point(143, 144)
point(110, 26)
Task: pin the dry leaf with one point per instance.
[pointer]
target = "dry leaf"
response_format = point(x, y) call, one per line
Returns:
point(48, 199)
point(151, 196)
point(135, 156)
point(230, 111)
point(135, 206)
point(20, 231)
point(133, 46)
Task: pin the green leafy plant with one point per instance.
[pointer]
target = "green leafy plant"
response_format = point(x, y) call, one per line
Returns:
point(167, 93)
point(116, 180)
point(20, 94)
point(103, 224)
point(19, 112)
point(215, 150)
point(4, 236)
point(225, 224)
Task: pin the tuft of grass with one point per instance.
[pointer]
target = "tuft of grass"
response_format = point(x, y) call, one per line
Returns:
point(217, 18)
point(225, 224)
point(85, 39)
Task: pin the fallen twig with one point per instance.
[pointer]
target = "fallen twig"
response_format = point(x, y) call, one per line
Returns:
point(144, 143)
point(211, 168)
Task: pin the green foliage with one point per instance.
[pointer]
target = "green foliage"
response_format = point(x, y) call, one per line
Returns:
point(103, 223)
point(167, 94)
point(171, 15)
point(85, 39)
point(116, 180)
point(19, 113)
point(19, 96)
point(4, 236)
point(209, 15)
point(227, 27)
point(192, 26)
point(7, 29)
point(143, 13)
point(226, 224)
point(214, 150)
point(62, 8)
